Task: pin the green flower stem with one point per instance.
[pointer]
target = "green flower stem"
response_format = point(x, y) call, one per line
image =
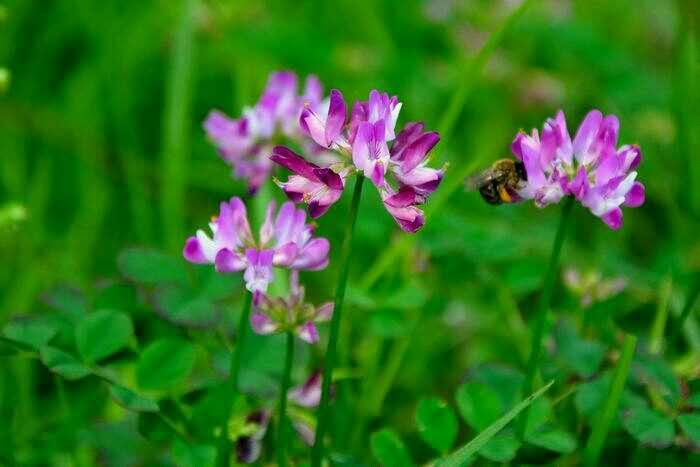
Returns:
point(542, 309)
point(602, 424)
point(323, 414)
point(236, 355)
point(284, 388)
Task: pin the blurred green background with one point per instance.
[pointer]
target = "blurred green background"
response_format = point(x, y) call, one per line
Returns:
point(102, 146)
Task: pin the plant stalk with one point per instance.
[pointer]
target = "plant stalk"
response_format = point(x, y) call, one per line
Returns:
point(323, 414)
point(542, 309)
point(236, 355)
point(284, 388)
point(601, 427)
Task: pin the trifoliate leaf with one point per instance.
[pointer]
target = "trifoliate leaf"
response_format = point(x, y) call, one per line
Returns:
point(103, 333)
point(30, 331)
point(501, 448)
point(389, 450)
point(63, 363)
point(690, 424)
point(649, 427)
point(165, 364)
point(478, 404)
point(437, 424)
point(132, 401)
point(554, 440)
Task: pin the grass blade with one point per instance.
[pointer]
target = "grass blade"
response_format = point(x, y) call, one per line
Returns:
point(465, 453)
point(176, 130)
point(601, 427)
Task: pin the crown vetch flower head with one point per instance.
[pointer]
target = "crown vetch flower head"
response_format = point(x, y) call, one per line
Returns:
point(245, 142)
point(285, 241)
point(274, 315)
point(601, 176)
point(396, 164)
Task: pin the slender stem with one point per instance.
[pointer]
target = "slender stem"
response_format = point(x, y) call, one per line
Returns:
point(602, 425)
point(688, 307)
point(542, 308)
point(317, 452)
point(282, 424)
point(236, 355)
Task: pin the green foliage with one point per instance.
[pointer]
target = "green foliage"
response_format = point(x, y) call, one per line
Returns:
point(151, 267)
point(130, 400)
point(436, 423)
point(102, 333)
point(389, 450)
point(649, 427)
point(165, 364)
point(63, 363)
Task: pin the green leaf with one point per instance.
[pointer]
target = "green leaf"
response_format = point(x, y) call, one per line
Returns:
point(8, 348)
point(387, 323)
point(63, 363)
point(465, 453)
point(181, 306)
point(478, 404)
point(554, 440)
point(130, 400)
point(165, 364)
point(102, 333)
point(504, 381)
point(540, 412)
point(151, 267)
point(437, 424)
point(649, 427)
point(653, 371)
point(690, 424)
point(582, 356)
point(66, 299)
point(389, 450)
point(501, 448)
point(32, 332)
point(694, 400)
point(193, 455)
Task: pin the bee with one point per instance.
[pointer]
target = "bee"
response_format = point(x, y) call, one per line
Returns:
point(499, 183)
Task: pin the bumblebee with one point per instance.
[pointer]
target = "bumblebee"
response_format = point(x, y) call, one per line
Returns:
point(499, 183)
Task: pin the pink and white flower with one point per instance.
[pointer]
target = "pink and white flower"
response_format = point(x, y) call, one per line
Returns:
point(284, 241)
point(601, 176)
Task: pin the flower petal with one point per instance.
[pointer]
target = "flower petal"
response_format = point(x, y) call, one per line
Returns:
point(635, 196)
point(307, 332)
point(613, 218)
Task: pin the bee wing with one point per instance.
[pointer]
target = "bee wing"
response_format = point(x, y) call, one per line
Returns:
point(475, 181)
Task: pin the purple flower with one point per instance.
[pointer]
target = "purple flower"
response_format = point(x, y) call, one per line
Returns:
point(285, 241)
point(318, 187)
point(245, 143)
point(275, 315)
point(325, 124)
point(601, 176)
point(396, 164)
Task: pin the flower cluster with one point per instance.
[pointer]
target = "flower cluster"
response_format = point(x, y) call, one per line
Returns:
point(366, 142)
point(285, 241)
point(246, 143)
point(601, 176)
point(275, 315)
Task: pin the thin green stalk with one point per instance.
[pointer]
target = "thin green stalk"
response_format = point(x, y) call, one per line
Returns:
point(243, 325)
point(656, 336)
point(542, 309)
point(602, 424)
point(282, 424)
point(688, 307)
point(176, 129)
point(323, 414)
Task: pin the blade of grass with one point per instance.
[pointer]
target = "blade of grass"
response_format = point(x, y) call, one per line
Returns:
point(465, 453)
point(602, 423)
point(656, 336)
point(687, 307)
point(176, 129)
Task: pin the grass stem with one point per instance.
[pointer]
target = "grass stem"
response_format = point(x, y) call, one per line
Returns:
point(284, 388)
point(323, 413)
